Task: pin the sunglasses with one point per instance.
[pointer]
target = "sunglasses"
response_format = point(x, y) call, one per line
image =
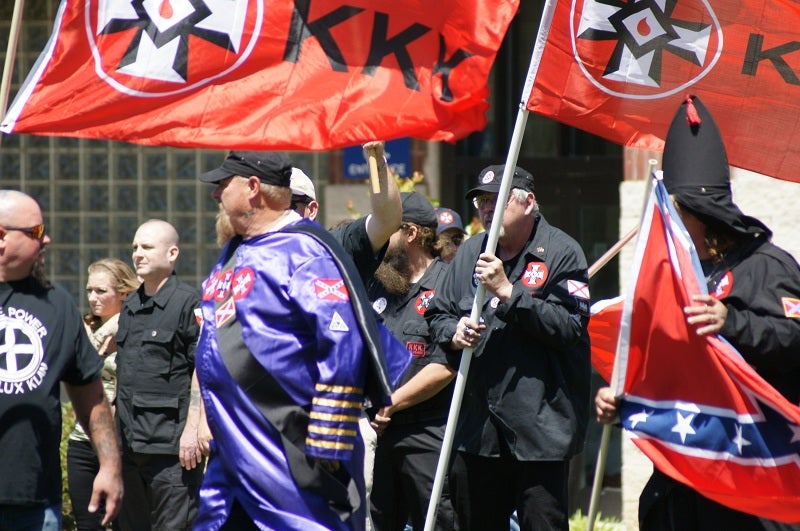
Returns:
point(36, 232)
point(482, 200)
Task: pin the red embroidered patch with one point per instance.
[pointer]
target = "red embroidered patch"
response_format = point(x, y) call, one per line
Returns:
point(242, 283)
point(535, 274)
point(223, 285)
point(418, 349)
point(210, 286)
point(423, 301)
point(331, 289)
point(724, 286)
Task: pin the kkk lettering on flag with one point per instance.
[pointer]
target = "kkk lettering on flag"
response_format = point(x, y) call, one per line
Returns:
point(619, 69)
point(691, 403)
point(263, 74)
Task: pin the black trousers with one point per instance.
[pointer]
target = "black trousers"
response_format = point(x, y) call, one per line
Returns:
point(82, 467)
point(487, 490)
point(405, 467)
point(238, 519)
point(159, 493)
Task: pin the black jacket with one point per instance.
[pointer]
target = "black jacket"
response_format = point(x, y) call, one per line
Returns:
point(528, 384)
point(762, 295)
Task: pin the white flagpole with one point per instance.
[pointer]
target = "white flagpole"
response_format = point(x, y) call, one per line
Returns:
point(491, 246)
point(602, 451)
point(11, 54)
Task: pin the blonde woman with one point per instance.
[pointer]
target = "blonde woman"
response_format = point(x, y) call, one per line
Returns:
point(110, 281)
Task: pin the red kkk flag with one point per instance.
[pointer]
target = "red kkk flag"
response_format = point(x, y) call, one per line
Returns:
point(619, 70)
point(263, 74)
point(693, 405)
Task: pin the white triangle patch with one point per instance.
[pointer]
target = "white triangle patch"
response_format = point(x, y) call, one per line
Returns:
point(338, 324)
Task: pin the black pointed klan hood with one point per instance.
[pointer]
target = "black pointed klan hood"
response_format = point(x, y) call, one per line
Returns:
point(696, 171)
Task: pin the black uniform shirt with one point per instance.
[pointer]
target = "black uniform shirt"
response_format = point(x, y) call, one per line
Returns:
point(528, 384)
point(156, 342)
point(404, 316)
point(354, 238)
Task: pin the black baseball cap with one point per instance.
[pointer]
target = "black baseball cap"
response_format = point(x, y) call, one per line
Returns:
point(417, 209)
point(272, 167)
point(490, 178)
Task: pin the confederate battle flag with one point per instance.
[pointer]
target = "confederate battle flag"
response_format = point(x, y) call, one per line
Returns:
point(263, 74)
point(690, 402)
point(618, 69)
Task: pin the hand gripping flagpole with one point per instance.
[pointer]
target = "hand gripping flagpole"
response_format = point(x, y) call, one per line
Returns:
point(11, 53)
point(491, 246)
point(602, 451)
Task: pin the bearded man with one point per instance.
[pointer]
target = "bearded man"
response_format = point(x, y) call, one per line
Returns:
point(411, 429)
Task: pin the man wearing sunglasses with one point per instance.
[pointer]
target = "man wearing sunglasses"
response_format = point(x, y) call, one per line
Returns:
point(43, 345)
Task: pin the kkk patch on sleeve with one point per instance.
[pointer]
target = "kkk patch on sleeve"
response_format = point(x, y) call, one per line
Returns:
point(225, 312)
point(791, 307)
point(724, 286)
point(331, 289)
point(578, 289)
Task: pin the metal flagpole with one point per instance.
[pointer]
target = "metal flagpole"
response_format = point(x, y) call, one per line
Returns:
point(11, 54)
point(491, 246)
point(602, 451)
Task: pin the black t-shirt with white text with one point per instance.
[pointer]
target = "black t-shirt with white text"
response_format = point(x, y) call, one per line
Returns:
point(42, 343)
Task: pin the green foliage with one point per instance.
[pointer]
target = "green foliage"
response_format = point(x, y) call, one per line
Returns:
point(67, 423)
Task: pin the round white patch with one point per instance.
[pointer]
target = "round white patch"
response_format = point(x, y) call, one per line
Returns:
point(379, 305)
point(494, 302)
point(489, 177)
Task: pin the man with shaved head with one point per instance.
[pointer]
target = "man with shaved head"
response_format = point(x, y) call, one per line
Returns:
point(156, 341)
point(42, 344)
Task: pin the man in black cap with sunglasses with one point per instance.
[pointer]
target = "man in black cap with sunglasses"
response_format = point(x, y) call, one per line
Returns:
point(754, 293)
point(526, 402)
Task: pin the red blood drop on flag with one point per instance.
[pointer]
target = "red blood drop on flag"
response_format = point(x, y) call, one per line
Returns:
point(643, 28)
point(165, 9)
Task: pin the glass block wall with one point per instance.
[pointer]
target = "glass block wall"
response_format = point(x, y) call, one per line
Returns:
point(94, 194)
